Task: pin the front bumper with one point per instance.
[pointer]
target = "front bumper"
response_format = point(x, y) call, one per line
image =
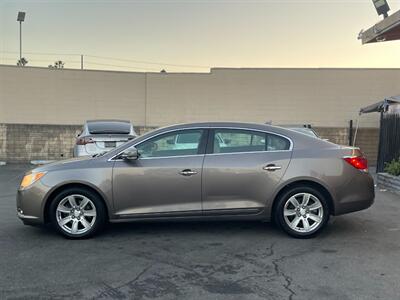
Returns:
point(31, 203)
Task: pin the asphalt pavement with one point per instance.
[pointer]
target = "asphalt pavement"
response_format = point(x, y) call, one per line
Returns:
point(356, 257)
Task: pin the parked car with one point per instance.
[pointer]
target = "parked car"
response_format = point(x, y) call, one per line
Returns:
point(99, 136)
point(226, 171)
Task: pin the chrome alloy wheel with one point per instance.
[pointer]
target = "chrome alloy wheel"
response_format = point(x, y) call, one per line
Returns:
point(303, 212)
point(76, 214)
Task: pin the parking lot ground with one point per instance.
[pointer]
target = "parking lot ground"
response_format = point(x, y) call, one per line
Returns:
point(356, 257)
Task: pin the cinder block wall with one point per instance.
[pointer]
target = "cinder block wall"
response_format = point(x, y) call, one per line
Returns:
point(22, 143)
point(26, 142)
point(3, 142)
point(367, 139)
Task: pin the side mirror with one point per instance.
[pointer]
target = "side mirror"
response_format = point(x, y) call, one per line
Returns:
point(130, 154)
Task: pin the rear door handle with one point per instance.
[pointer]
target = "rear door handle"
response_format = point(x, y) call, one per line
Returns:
point(187, 172)
point(272, 167)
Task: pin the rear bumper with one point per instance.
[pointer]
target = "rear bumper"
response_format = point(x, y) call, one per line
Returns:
point(358, 194)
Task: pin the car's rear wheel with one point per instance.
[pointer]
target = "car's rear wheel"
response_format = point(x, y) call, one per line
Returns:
point(77, 213)
point(302, 211)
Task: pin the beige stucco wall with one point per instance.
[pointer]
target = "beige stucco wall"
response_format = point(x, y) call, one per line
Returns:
point(322, 97)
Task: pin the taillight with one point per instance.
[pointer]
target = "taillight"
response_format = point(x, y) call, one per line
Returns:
point(358, 162)
point(84, 141)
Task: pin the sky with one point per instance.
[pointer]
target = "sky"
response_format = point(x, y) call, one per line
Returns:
point(195, 35)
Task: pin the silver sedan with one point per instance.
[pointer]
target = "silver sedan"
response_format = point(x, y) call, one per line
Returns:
point(203, 171)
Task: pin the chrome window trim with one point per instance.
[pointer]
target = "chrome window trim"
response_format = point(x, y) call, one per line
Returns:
point(204, 128)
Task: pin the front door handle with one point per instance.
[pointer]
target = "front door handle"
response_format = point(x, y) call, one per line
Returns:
point(272, 167)
point(187, 172)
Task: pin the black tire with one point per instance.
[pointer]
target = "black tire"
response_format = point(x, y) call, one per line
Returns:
point(98, 223)
point(280, 205)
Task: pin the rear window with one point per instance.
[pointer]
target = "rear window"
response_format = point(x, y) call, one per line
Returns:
point(306, 131)
point(109, 127)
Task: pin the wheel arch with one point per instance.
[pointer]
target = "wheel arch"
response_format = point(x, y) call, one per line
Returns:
point(62, 187)
point(304, 182)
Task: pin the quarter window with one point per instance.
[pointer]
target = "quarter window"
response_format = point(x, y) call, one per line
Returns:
point(277, 143)
point(177, 143)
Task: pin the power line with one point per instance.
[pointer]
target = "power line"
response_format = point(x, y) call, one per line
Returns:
point(119, 66)
point(148, 62)
point(43, 53)
point(117, 59)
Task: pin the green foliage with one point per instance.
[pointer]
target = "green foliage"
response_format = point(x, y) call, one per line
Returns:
point(393, 168)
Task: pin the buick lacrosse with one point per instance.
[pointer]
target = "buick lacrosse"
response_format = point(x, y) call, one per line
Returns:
point(203, 171)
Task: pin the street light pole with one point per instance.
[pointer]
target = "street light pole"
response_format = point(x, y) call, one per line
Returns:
point(20, 40)
point(20, 19)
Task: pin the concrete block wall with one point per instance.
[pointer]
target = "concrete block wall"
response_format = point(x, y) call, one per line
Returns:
point(24, 142)
point(3, 142)
point(390, 182)
point(367, 139)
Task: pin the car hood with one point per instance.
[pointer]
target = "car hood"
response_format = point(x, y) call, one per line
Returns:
point(61, 163)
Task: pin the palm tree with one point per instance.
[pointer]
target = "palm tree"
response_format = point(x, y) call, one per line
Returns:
point(59, 64)
point(22, 62)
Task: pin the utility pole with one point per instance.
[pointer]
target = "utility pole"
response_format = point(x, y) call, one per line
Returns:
point(81, 61)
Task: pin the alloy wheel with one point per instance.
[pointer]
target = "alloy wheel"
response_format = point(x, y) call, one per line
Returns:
point(303, 212)
point(76, 214)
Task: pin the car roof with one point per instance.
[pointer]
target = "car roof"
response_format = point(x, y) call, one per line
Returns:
point(243, 125)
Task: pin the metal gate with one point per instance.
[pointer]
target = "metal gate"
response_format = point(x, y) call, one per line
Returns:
point(389, 140)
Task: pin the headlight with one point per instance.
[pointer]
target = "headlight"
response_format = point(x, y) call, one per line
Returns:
point(31, 178)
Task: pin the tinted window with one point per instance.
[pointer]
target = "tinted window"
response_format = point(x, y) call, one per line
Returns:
point(109, 127)
point(168, 145)
point(187, 138)
point(277, 143)
point(306, 131)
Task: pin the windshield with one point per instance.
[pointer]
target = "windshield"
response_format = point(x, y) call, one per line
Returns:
point(114, 127)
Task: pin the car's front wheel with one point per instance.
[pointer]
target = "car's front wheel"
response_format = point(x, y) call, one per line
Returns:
point(302, 211)
point(77, 213)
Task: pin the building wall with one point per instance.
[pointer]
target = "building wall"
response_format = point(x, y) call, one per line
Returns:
point(46, 98)
point(322, 97)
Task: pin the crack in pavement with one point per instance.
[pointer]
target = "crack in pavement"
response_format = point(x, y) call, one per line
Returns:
point(207, 280)
point(115, 291)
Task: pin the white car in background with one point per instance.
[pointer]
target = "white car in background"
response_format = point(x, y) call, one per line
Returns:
point(99, 136)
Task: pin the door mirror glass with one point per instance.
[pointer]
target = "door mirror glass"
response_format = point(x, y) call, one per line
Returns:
point(130, 154)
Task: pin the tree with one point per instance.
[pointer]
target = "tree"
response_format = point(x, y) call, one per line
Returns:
point(59, 64)
point(22, 62)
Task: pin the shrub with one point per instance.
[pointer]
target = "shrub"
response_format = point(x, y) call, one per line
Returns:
point(393, 168)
